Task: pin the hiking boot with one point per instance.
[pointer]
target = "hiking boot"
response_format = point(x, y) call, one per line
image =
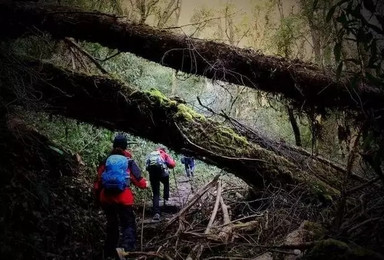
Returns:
point(156, 217)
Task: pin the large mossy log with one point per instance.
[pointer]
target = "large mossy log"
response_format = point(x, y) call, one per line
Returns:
point(110, 103)
point(302, 82)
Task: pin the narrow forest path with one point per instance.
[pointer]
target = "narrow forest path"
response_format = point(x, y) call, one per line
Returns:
point(181, 190)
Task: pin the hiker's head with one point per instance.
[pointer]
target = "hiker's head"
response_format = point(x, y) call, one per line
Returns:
point(161, 149)
point(120, 141)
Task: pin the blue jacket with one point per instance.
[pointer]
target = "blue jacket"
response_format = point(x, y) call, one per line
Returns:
point(190, 161)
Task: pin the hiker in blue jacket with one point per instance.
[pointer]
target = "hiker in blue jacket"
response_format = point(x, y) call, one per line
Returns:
point(189, 164)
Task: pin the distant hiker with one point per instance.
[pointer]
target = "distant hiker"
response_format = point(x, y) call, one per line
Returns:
point(158, 164)
point(112, 188)
point(189, 164)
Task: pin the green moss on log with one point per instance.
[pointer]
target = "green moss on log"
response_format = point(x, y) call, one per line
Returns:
point(188, 113)
point(157, 96)
point(220, 139)
point(228, 135)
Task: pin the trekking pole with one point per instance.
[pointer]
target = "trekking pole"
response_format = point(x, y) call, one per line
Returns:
point(174, 177)
point(142, 227)
point(177, 188)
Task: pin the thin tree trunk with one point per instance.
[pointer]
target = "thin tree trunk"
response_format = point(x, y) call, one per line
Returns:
point(295, 127)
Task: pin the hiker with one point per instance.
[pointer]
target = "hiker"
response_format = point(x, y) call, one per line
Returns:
point(158, 164)
point(189, 164)
point(113, 190)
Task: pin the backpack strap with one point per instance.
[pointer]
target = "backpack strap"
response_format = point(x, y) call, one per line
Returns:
point(134, 170)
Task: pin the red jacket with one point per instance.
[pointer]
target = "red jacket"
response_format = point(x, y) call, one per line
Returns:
point(167, 159)
point(126, 197)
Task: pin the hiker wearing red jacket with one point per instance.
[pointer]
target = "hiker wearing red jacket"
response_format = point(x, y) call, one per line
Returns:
point(158, 164)
point(118, 206)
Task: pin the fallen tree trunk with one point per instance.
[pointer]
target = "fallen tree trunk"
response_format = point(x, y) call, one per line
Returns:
point(304, 83)
point(101, 101)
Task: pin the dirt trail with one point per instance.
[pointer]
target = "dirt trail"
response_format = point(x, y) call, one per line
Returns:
point(181, 192)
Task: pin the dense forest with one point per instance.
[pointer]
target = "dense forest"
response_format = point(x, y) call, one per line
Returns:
point(280, 102)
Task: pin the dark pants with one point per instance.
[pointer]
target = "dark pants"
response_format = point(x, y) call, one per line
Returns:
point(119, 216)
point(156, 177)
point(188, 170)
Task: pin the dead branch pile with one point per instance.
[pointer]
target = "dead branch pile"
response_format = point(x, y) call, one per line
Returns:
point(221, 219)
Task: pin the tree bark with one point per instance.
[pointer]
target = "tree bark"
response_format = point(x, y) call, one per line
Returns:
point(304, 83)
point(295, 127)
point(109, 103)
